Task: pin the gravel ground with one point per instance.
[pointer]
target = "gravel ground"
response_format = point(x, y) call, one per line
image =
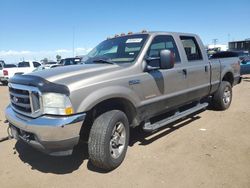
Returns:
point(210, 150)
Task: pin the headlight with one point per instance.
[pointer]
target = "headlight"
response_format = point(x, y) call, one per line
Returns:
point(56, 104)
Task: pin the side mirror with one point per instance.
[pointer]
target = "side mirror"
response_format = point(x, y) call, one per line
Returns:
point(166, 59)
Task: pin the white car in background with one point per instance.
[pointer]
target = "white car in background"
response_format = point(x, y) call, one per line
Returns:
point(46, 66)
point(22, 68)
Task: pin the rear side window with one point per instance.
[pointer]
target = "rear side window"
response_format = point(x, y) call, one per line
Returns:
point(191, 48)
point(24, 64)
point(36, 64)
point(163, 42)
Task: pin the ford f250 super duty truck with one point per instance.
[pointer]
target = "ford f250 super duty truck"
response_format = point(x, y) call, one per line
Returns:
point(147, 79)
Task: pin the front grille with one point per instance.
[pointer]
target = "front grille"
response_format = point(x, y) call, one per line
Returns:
point(25, 99)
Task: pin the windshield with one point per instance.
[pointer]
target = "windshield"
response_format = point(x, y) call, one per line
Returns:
point(118, 50)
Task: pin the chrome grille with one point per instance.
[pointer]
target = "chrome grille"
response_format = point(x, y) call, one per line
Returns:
point(25, 99)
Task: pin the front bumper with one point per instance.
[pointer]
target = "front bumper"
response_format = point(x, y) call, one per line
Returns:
point(53, 135)
point(4, 79)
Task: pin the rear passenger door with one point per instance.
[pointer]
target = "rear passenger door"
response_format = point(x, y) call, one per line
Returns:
point(197, 69)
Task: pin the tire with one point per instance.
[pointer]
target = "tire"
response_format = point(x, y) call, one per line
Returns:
point(223, 96)
point(108, 140)
point(5, 83)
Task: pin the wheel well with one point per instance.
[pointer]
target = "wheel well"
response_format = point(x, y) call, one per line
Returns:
point(110, 104)
point(228, 77)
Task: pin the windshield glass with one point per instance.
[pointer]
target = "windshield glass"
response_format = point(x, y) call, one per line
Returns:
point(118, 50)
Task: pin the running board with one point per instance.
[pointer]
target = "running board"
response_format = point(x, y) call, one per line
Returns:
point(148, 127)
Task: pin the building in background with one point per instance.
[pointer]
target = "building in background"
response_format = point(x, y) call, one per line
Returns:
point(243, 45)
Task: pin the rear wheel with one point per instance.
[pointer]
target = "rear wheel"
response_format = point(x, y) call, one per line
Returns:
point(223, 96)
point(108, 140)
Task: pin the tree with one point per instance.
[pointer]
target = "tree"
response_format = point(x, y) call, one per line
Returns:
point(58, 58)
point(45, 60)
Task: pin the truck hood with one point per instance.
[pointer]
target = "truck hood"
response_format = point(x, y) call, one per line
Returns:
point(67, 75)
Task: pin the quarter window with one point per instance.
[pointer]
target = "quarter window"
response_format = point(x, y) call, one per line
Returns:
point(191, 48)
point(36, 64)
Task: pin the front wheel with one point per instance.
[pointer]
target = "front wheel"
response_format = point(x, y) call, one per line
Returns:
point(108, 140)
point(223, 96)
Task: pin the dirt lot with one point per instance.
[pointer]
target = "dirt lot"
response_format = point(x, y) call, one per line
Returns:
point(210, 150)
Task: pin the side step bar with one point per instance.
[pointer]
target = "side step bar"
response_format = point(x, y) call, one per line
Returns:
point(148, 127)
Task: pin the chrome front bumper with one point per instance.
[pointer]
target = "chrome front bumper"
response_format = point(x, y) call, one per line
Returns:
point(54, 135)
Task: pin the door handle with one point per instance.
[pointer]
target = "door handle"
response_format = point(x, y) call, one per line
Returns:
point(184, 71)
point(206, 68)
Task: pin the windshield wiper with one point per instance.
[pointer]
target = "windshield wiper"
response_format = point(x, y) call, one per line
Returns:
point(103, 61)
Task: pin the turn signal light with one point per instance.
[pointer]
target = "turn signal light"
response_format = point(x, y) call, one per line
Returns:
point(69, 111)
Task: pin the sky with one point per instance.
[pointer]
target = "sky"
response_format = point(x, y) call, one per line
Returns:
point(36, 29)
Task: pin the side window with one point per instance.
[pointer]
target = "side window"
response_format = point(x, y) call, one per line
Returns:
point(36, 64)
point(110, 50)
point(191, 48)
point(162, 42)
point(68, 62)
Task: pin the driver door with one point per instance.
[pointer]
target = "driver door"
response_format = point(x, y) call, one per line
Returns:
point(164, 89)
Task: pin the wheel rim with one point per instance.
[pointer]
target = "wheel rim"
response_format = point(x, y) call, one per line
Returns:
point(227, 95)
point(118, 140)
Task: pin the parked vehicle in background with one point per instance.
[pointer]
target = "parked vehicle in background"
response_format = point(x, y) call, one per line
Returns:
point(70, 61)
point(46, 66)
point(22, 68)
point(245, 62)
point(4, 72)
point(51, 63)
point(147, 79)
point(245, 67)
point(242, 55)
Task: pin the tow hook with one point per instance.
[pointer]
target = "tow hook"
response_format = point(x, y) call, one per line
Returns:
point(9, 137)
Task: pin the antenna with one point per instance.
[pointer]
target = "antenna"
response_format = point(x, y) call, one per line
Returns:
point(73, 42)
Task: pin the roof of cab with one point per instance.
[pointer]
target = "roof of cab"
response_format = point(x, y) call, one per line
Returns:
point(154, 33)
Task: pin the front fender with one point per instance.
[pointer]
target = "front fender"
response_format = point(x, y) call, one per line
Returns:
point(103, 94)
